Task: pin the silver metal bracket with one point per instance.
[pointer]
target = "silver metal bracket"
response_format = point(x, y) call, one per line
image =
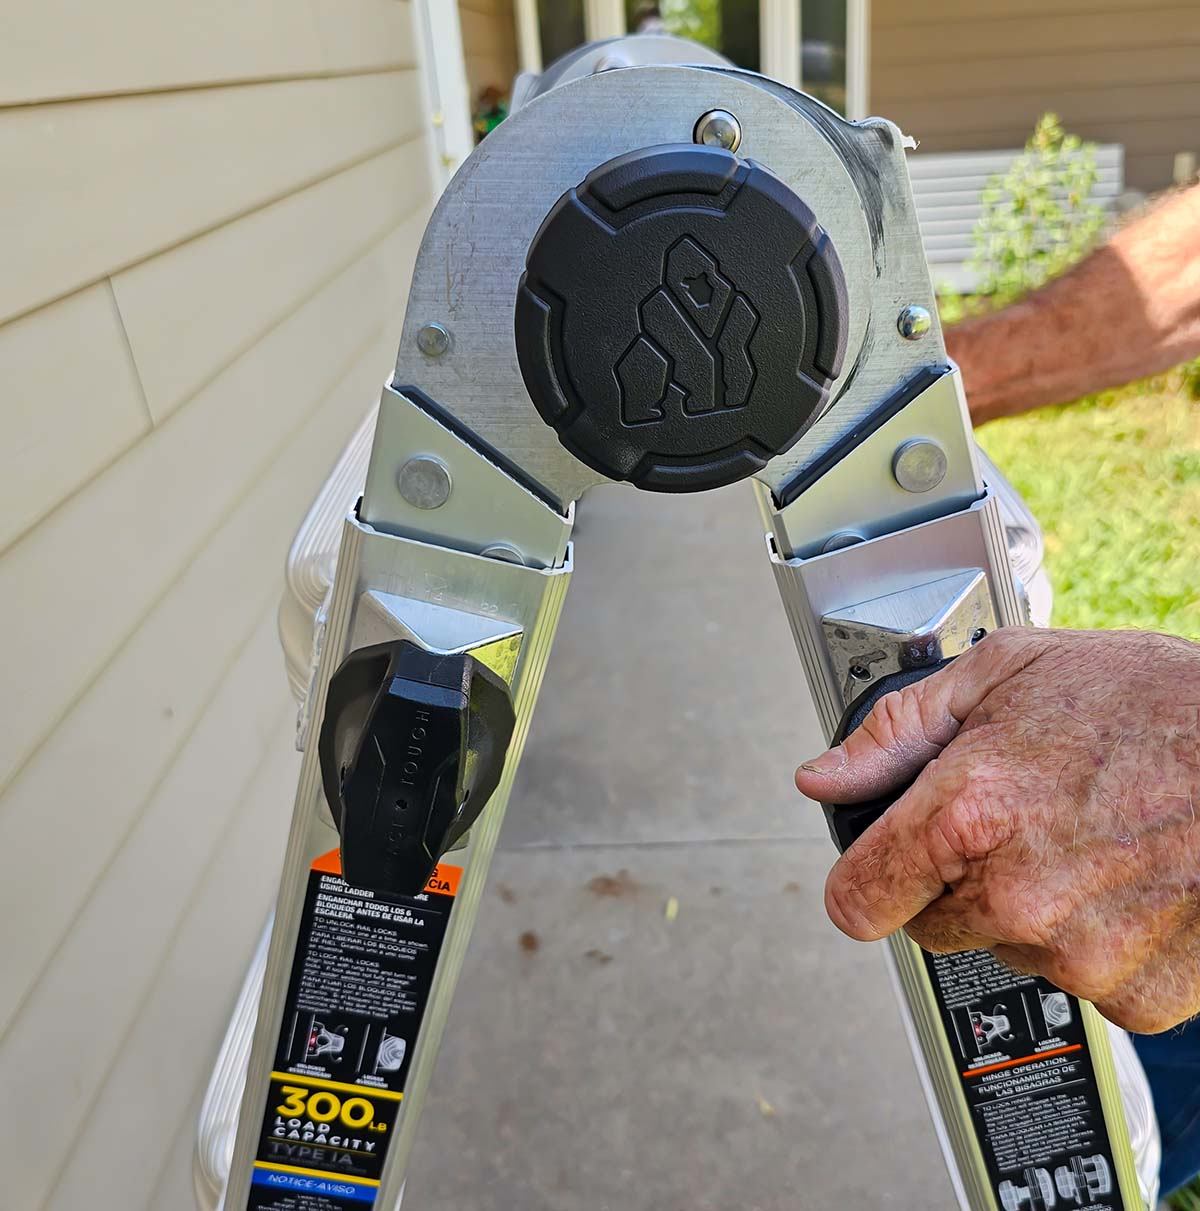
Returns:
point(891, 566)
point(910, 629)
point(484, 509)
point(852, 492)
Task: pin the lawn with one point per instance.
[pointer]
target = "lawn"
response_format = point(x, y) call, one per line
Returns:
point(1115, 482)
point(1187, 1199)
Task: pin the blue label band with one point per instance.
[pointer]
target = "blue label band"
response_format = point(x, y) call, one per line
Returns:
point(330, 1187)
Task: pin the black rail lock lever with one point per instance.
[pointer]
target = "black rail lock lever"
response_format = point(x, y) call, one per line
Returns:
point(412, 747)
point(848, 821)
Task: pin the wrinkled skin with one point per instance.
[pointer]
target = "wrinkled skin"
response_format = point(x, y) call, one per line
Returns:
point(1054, 820)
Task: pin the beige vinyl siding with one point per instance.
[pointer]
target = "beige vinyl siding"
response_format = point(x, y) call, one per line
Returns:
point(977, 77)
point(489, 35)
point(210, 218)
point(115, 180)
point(64, 49)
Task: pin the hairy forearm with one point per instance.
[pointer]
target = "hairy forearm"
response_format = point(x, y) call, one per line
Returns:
point(1130, 309)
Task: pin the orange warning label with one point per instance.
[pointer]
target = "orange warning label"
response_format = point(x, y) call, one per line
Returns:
point(444, 880)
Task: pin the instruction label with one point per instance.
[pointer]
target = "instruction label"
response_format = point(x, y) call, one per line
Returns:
point(363, 967)
point(1026, 1071)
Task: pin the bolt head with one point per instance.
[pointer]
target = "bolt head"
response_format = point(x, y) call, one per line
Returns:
point(843, 538)
point(919, 465)
point(718, 128)
point(433, 340)
point(424, 482)
point(913, 322)
point(503, 551)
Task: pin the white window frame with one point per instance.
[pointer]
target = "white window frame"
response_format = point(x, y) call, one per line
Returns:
point(447, 101)
point(858, 59)
point(780, 36)
point(779, 32)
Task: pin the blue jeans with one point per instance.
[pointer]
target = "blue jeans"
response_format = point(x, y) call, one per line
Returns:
point(1172, 1064)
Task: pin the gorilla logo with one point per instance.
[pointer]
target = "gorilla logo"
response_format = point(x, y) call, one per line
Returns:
point(692, 353)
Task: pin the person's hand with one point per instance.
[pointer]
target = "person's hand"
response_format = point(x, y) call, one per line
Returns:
point(1054, 821)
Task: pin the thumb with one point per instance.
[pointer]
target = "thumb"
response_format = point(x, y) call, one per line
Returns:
point(907, 728)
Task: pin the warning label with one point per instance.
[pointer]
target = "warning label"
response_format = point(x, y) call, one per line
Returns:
point(1027, 1075)
point(360, 981)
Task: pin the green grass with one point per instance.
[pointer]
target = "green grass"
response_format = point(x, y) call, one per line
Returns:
point(1187, 1199)
point(1115, 482)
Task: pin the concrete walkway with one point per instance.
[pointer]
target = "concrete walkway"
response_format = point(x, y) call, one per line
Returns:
point(603, 1057)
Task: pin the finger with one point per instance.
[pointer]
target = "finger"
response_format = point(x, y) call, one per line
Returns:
point(1142, 1002)
point(1130, 1006)
point(1132, 1010)
point(1084, 980)
point(1024, 960)
point(888, 875)
point(908, 728)
point(1161, 994)
point(946, 926)
point(945, 825)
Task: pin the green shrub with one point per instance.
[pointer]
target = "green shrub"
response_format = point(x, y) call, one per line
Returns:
point(1037, 221)
point(1189, 374)
point(1038, 218)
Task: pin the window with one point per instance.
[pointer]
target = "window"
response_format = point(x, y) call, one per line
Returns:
point(823, 51)
point(820, 45)
point(560, 27)
point(730, 27)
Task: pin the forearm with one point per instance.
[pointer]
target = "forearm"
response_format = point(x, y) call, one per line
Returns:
point(1130, 309)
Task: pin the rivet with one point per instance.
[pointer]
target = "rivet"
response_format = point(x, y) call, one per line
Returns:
point(503, 551)
point(718, 128)
point(919, 465)
point(424, 482)
point(913, 322)
point(433, 340)
point(843, 538)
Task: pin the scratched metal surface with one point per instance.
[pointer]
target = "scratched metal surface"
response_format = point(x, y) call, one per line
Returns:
point(853, 176)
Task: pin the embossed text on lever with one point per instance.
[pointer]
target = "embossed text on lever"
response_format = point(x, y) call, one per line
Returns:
point(412, 747)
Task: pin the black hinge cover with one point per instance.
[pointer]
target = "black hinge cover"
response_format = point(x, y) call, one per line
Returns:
point(681, 318)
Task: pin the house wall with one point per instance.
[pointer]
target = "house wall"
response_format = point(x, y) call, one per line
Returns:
point(489, 44)
point(977, 76)
point(210, 213)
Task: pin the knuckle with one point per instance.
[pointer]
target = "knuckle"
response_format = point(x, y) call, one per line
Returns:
point(1002, 640)
point(970, 828)
point(1011, 645)
point(937, 726)
point(885, 723)
point(937, 935)
point(1036, 918)
point(908, 719)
